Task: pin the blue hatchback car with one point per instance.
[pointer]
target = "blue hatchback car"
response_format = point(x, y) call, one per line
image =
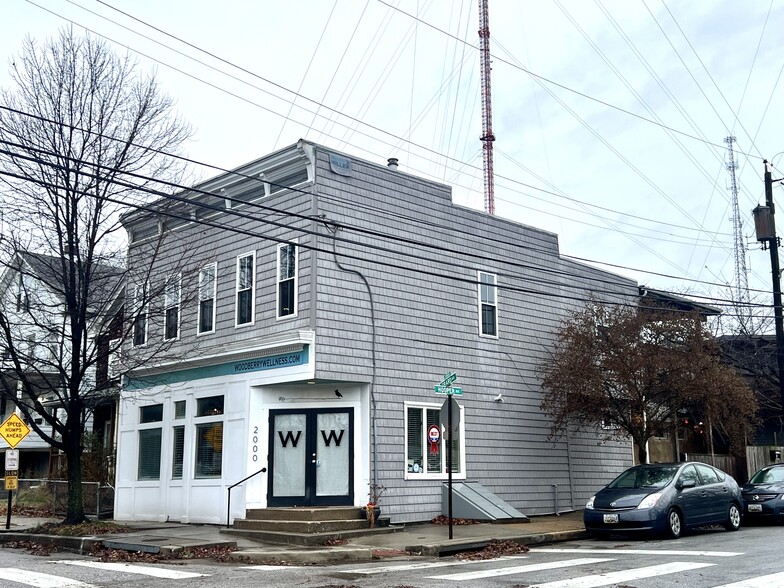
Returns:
point(665, 499)
point(763, 495)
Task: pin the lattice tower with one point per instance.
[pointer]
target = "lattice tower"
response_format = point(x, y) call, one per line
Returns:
point(741, 273)
point(487, 108)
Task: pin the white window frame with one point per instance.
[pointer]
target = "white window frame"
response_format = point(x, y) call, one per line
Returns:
point(147, 426)
point(139, 310)
point(202, 273)
point(443, 475)
point(481, 274)
point(237, 324)
point(278, 280)
point(171, 299)
point(114, 359)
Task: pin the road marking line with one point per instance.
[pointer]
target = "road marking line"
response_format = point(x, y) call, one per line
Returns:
point(643, 552)
point(270, 567)
point(423, 565)
point(132, 569)
point(624, 575)
point(40, 580)
point(769, 581)
point(553, 565)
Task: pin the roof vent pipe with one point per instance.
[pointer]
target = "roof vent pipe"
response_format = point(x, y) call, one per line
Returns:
point(392, 162)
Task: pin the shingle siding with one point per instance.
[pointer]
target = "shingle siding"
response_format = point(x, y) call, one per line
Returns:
point(371, 280)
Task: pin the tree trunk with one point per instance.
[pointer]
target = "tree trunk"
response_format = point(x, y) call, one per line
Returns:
point(642, 454)
point(73, 455)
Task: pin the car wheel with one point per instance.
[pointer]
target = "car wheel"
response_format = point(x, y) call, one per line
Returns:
point(733, 518)
point(674, 524)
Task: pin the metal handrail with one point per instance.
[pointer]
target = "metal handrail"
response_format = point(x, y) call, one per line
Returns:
point(228, 507)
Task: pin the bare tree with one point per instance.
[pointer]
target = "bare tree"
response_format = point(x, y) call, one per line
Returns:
point(634, 370)
point(82, 137)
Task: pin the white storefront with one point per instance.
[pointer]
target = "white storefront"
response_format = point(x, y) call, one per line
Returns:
point(186, 440)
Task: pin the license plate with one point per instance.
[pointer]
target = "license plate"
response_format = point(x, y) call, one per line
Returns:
point(611, 518)
point(752, 508)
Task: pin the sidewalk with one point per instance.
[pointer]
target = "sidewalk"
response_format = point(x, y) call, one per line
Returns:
point(409, 540)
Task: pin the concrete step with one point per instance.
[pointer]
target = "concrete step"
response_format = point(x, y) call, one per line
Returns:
point(301, 526)
point(327, 513)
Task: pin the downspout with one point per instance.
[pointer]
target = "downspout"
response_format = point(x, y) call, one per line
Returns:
point(374, 466)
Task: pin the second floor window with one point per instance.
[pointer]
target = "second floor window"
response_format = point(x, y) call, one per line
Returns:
point(287, 279)
point(207, 299)
point(245, 279)
point(488, 305)
point(171, 327)
point(140, 322)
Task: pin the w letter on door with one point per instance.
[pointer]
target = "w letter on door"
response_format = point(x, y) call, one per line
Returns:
point(332, 437)
point(290, 437)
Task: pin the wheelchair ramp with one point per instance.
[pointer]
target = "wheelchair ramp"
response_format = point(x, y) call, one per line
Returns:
point(471, 500)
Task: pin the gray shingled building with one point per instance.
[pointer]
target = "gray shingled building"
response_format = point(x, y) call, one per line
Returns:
point(309, 303)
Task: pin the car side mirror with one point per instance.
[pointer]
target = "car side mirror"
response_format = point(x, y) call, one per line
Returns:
point(681, 484)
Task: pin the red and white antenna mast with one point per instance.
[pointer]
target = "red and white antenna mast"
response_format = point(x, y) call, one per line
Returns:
point(487, 108)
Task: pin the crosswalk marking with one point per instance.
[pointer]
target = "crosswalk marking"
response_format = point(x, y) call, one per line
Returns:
point(677, 552)
point(132, 569)
point(553, 565)
point(625, 575)
point(425, 565)
point(769, 581)
point(38, 580)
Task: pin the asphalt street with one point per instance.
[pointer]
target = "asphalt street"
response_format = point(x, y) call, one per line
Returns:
point(704, 559)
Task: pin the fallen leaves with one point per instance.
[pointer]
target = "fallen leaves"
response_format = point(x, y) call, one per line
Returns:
point(32, 547)
point(444, 520)
point(82, 529)
point(493, 550)
point(216, 553)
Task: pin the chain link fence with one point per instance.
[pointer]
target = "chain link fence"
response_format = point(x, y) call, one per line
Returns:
point(53, 495)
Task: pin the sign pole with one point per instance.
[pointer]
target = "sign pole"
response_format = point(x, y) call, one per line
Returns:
point(8, 511)
point(448, 459)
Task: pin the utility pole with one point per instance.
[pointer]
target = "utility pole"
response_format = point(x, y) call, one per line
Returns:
point(765, 225)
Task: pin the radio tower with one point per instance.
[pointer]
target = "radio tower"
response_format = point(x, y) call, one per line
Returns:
point(487, 108)
point(741, 274)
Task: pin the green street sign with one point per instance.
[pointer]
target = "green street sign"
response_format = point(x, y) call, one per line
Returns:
point(449, 390)
point(448, 379)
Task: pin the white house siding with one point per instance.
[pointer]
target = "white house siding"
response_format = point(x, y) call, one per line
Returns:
point(423, 326)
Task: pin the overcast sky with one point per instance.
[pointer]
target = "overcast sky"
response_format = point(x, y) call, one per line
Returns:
point(609, 115)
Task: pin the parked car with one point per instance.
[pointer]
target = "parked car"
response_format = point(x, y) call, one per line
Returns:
point(763, 495)
point(665, 499)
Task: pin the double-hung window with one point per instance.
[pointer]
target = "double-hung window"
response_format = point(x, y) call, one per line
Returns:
point(246, 269)
point(287, 280)
point(150, 430)
point(426, 442)
point(488, 305)
point(140, 321)
point(171, 326)
point(209, 437)
point(207, 298)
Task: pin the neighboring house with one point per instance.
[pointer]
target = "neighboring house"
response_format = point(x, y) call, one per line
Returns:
point(313, 301)
point(32, 300)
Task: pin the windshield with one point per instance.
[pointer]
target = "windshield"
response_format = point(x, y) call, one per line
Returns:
point(767, 476)
point(647, 477)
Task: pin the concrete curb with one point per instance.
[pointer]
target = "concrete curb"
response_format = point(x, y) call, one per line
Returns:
point(450, 547)
point(80, 545)
point(326, 555)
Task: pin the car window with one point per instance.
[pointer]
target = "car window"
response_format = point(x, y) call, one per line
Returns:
point(767, 476)
point(707, 474)
point(647, 477)
point(689, 473)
